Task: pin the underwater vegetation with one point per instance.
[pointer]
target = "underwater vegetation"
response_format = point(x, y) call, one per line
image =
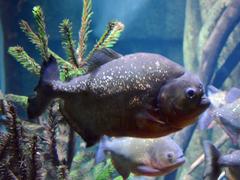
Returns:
point(45, 148)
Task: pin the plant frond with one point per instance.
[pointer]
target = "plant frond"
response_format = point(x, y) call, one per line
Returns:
point(109, 37)
point(51, 128)
point(103, 171)
point(67, 40)
point(4, 143)
point(63, 172)
point(35, 165)
point(25, 27)
point(17, 159)
point(21, 100)
point(67, 70)
point(24, 59)
point(114, 34)
point(7, 173)
point(84, 30)
point(39, 19)
point(34, 38)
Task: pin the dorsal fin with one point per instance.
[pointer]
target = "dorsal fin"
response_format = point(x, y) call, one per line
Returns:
point(102, 56)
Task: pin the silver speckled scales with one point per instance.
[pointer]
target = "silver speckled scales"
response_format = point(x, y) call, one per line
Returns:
point(135, 72)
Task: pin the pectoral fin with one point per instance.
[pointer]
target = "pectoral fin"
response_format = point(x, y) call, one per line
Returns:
point(147, 116)
point(147, 170)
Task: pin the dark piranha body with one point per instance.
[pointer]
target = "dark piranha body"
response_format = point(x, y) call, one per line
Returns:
point(139, 95)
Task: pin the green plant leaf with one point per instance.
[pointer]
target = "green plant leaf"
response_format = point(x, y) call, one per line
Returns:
point(67, 41)
point(39, 19)
point(24, 59)
point(84, 30)
point(21, 100)
point(109, 37)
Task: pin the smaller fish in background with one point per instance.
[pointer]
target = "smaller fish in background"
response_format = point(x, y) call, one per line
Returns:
point(142, 157)
point(218, 99)
point(214, 162)
point(228, 116)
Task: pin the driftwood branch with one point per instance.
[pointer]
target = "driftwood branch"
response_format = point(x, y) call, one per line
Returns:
point(227, 68)
point(191, 31)
point(217, 40)
point(214, 14)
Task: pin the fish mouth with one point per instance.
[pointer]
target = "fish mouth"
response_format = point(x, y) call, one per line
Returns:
point(179, 161)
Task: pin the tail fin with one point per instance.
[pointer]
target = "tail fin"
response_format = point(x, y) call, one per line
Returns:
point(212, 168)
point(100, 155)
point(44, 91)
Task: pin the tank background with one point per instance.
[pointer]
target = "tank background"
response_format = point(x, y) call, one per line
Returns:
point(150, 26)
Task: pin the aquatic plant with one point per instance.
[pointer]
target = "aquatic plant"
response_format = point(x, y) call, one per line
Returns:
point(73, 65)
point(38, 151)
point(13, 159)
point(46, 148)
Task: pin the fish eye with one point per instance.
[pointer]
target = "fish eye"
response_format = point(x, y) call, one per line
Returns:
point(190, 93)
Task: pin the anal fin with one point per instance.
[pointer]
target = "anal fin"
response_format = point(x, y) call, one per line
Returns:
point(120, 166)
point(87, 135)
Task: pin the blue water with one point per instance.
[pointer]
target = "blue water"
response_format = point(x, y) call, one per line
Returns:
point(155, 26)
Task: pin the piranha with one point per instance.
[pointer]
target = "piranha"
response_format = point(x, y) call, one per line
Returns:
point(138, 95)
point(215, 161)
point(228, 117)
point(218, 98)
point(142, 157)
point(225, 110)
